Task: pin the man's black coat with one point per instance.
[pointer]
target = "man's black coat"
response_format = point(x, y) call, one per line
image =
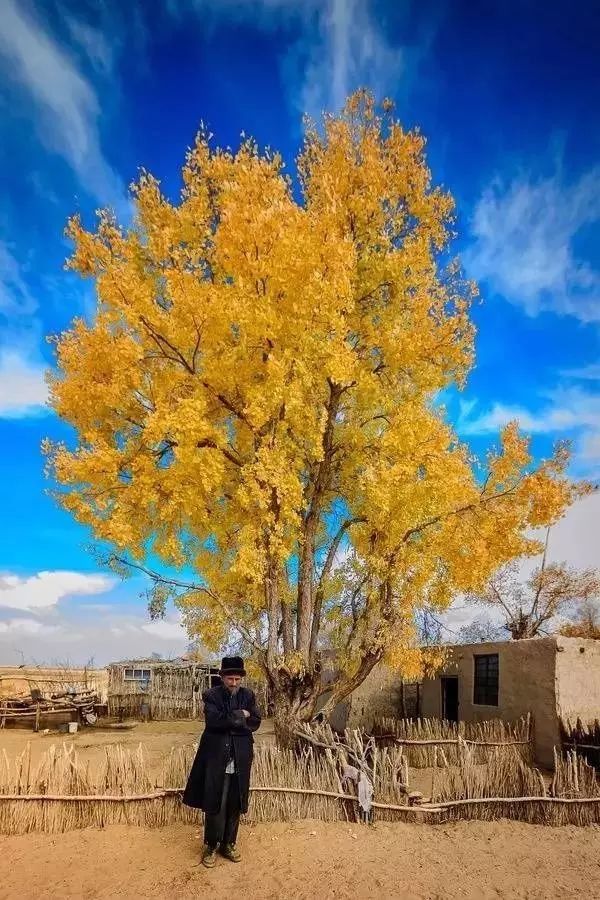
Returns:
point(227, 734)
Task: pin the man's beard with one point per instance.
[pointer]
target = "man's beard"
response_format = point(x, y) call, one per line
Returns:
point(233, 690)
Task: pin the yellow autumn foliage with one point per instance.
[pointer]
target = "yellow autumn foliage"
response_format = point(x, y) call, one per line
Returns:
point(261, 353)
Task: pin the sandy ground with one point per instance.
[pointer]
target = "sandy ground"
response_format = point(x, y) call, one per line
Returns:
point(309, 860)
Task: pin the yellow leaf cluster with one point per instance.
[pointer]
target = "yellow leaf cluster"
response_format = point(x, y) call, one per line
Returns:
point(226, 320)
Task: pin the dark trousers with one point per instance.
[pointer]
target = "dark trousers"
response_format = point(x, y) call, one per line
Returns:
point(222, 827)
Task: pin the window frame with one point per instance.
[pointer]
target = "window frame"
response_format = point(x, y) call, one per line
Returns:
point(483, 685)
point(137, 674)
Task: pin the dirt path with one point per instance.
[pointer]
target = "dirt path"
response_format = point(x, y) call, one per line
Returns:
point(308, 861)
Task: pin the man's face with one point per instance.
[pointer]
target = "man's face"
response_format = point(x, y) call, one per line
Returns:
point(232, 682)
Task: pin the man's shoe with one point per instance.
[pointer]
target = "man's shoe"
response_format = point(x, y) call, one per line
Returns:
point(231, 852)
point(209, 856)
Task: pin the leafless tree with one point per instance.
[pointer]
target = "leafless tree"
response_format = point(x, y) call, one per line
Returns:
point(532, 607)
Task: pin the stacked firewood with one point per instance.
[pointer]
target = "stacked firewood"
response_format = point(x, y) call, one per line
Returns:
point(78, 705)
point(85, 702)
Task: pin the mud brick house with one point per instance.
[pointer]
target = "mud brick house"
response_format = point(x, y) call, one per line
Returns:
point(554, 678)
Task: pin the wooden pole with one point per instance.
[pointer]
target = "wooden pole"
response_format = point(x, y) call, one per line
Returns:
point(402, 699)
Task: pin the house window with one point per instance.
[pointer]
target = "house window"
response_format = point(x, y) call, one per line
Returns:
point(137, 675)
point(485, 692)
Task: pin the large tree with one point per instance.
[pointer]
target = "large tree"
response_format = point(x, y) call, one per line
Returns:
point(255, 402)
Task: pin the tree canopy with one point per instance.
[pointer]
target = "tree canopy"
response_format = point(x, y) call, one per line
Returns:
point(256, 401)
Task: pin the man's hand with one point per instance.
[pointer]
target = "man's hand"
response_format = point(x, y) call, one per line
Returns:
point(246, 713)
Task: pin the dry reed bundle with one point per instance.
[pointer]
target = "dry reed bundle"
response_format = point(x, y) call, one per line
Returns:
point(315, 783)
point(420, 737)
point(62, 792)
point(574, 777)
point(504, 774)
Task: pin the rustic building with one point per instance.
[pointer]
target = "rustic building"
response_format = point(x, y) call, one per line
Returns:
point(158, 689)
point(383, 693)
point(554, 678)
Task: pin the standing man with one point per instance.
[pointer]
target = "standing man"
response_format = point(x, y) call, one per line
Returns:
point(219, 781)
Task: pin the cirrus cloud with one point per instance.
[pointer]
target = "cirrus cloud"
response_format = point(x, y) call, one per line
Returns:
point(524, 233)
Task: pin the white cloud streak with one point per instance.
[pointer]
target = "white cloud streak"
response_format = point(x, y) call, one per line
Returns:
point(15, 296)
point(351, 52)
point(165, 630)
point(569, 412)
point(27, 627)
point(340, 46)
point(23, 388)
point(523, 244)
point(45, 590)
point(565, 410)
point(67, 107)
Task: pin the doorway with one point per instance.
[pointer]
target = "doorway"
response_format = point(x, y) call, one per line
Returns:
point(450, 699)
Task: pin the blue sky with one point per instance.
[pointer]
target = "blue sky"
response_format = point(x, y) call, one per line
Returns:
point(507, 95)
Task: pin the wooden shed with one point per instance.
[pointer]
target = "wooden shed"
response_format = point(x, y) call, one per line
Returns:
point(158, 689)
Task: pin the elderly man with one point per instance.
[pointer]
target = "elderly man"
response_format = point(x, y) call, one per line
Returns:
point(219, 781)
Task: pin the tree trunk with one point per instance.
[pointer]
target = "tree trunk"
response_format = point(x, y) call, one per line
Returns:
point(294, 700)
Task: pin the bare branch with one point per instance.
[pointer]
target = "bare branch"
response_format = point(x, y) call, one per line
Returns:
point(196, 588)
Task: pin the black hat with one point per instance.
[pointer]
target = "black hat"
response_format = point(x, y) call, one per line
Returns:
point(232, 665)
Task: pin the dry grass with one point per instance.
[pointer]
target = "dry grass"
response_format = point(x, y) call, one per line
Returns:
point(423, 738)
point(62, 792)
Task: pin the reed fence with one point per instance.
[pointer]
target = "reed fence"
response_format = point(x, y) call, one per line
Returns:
point(583, 738)
point(422, 739)
point(330, 778)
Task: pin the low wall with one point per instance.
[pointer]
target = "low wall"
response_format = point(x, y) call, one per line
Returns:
point(577, 679)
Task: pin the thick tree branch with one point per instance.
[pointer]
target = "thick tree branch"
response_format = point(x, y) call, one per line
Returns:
point(541, 576)
point(196, 588)
point(325, 573)
point(161, 342)
point(316, 491)
point(454, 512)
point(207, 442)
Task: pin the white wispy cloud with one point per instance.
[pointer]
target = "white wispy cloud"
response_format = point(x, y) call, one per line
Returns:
point(67, 108)
point(566, 412)
point(565, 409)
point(23, 389)
point(45, 590)
point(586, 373)
point(15, 296)
point(523, 243)
point(333, 46)
point(351, 51)
point(120, 634)
point(165, 630)
point(27, 627)
point(93, 42)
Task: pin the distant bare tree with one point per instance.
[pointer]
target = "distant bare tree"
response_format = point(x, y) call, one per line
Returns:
point(481, 630)
point(586, 624)
point(529, 608)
